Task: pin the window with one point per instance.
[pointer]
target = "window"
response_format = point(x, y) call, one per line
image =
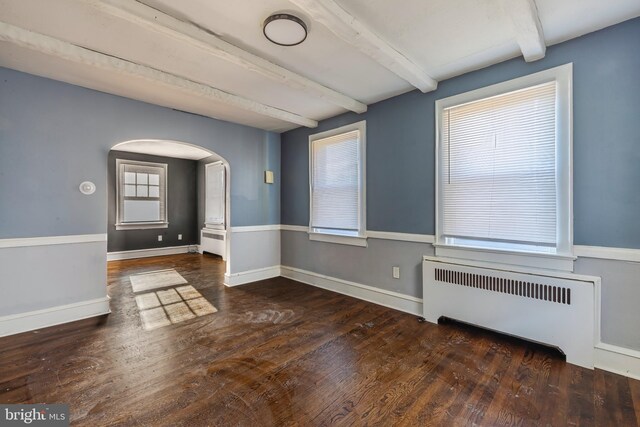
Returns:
point(504, 170)
point(337, 176)
point(215, 198)
point(141, 194)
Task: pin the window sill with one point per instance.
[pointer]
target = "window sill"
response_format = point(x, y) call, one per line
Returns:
point(214, 226)
point(142, 225)
point(335, 238)
point(547, 261)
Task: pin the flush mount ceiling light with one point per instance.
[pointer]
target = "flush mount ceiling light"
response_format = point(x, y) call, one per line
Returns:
point(284, 29)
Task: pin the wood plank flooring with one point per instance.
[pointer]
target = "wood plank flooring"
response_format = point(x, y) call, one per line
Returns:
point(280, 353)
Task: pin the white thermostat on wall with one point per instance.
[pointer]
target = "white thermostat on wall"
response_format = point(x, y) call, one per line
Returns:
point(87, 187)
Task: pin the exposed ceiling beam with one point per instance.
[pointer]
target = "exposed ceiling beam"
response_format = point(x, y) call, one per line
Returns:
point(162, 23)
point(70, 52)
point(528, 29)
point(348, 28)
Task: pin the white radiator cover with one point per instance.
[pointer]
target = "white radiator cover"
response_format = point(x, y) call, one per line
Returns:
point(214, 242)
point(541, 307)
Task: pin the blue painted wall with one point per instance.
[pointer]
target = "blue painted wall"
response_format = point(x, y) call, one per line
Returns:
point(401, 134)
point(54, 135)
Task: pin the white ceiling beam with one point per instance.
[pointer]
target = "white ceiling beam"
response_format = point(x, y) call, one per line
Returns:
point(348, 28)
point(70, 52)
point(527, 27)
point(162, 23)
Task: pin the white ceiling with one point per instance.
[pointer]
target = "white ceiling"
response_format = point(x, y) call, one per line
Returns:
point(165, 148)
point(359, 55)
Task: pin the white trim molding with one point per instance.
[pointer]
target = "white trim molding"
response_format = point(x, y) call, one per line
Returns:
point(254, 228)
point(32, 320)
point(602, 252)
point(402, 237)
point(341, 240)
point(146, 253)
point(390, 299)
point(70, 52)
point(301, 228)
point(618, 360)
point(51, 240)
point(249, 276)
point(579, 251)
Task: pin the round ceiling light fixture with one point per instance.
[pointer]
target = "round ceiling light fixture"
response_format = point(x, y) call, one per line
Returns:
point(284, 29)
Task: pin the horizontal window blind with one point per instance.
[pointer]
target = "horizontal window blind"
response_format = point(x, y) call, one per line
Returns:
point(215, 188)
point(335, 182)
point(499, 168)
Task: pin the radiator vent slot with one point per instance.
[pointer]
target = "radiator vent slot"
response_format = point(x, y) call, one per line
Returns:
point(521, 288)
point(213, 236)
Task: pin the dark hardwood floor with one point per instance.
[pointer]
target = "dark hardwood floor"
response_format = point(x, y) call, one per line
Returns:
point(283, 353)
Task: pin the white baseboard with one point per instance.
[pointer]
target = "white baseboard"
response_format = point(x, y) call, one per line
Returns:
point(618, 360)
point(32, 320)
point(145, 253)
point(390, 299)
point(236, 279)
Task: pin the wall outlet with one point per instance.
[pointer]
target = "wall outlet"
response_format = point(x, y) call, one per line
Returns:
point(179, 236)
point(160, 238)
point(396, 272)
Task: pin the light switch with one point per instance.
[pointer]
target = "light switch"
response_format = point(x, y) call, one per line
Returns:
point(396, 272)
point(268, 177)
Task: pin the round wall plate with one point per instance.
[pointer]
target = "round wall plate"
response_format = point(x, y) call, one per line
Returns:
point(87, 187)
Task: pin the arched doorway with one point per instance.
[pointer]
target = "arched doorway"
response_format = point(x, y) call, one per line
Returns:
point(152, 190)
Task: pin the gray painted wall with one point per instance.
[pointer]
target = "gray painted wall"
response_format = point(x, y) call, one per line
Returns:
point(40, 277)
point(401, 162)
point(182, 202)
point(61, 135)
point(371, 266)
point(53, 136)
point(401, 149)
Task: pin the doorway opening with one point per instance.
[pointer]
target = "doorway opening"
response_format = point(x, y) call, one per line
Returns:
point(167, 197)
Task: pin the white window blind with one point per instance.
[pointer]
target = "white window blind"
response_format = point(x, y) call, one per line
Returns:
point(498, 174)
point(215, 189)
point(336, 182)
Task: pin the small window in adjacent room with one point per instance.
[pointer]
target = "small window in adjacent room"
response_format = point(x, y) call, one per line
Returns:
point(215, 195)
point(141, 195)
point(504, 172)
point(337, 181)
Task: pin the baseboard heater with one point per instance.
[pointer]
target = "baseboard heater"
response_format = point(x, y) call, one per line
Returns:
point(214, 242)
point(557, 311)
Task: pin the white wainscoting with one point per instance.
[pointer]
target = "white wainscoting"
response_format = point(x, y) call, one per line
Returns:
point(390, 299)
point(32, 320)
point(69, 268)
point(618, 360)
point(145, 253)
point(243, 277)
point(51, 240)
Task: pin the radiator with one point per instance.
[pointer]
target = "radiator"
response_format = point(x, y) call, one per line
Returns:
point(556, 311)
point(213, 241)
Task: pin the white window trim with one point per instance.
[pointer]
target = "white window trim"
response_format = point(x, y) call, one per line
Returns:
point(361, 238)
point(210, 225)
point(141, 225)
point(563, 258)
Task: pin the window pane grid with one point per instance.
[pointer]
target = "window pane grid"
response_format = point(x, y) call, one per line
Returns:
point(142, 192)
